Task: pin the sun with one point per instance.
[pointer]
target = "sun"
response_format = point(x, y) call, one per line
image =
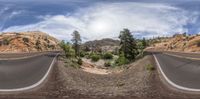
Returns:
point(100, 26)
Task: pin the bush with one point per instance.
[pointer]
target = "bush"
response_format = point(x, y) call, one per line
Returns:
point(107, 64)
point(80, 62)
point(107, 56)
point(121, 60)
point(149, 67)
point(69, 52)
point(91, 54)
point(26, 40)
point(198, 43)
point(82, 54)
point(72, 63)
point(6, 42)
point(95, 58)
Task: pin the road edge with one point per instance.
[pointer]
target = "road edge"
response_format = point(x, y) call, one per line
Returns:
point(170, 82)
point(36, 84)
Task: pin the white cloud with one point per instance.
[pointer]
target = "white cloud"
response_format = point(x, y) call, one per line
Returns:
point(107, 20)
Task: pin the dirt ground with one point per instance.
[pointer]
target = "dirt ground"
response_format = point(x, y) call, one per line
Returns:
point(136, 82)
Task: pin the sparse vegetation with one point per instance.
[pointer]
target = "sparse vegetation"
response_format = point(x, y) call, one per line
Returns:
point(95, 57)
point(37, 45)
point(179, 42)
point(82, 54)
point(80, 62)
point(107, 56)
point(198, 43)
point(120, 84)
point(72, 62)
point(72, 51)
point(128, 50)
point(6, 41)
point(31, 41)
point(107, 64)
point(69, 52)
point(121, 60)
point(26, 40)
point(46, 39)
point(144, 43)
point(150, 67)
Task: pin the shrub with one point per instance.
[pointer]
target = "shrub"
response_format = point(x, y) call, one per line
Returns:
point(26, 40)
point(120, 84)
point(6, 42)
point(82, 54)
point(37, 45)
point(121, 60)
point(107, 56)
point(95, 58)
point(91, 54)
point(198, 43)
point(116, 51)
point(69, 52)
point(80, 62)
point(107, 64)
point(72, 63)
point(149, 67)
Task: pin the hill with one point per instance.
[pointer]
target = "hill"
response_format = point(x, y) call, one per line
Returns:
point(179, 42)
point(106, 44)
point(27, 42)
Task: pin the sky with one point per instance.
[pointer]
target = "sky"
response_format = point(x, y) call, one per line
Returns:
point(97, 19)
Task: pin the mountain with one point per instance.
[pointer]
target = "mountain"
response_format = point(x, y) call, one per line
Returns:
point(106, 44)
point(27, 42)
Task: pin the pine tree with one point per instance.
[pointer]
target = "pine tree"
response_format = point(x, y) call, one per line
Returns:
point(144, 43)
point(128, 45)
point(76, 40)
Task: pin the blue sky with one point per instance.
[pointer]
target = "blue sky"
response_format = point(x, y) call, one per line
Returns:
point(97, 19)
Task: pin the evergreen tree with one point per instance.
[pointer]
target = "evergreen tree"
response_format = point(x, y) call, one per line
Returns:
point(144, 43)
point(128, 45)
point(76, 40)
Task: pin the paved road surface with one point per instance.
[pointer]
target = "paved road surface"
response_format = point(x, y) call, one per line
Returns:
point(181, 71)
point(21, 55)
point(24, 72)
point(191, 55)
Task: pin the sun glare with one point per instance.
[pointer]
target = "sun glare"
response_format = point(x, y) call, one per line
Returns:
point(100, 26)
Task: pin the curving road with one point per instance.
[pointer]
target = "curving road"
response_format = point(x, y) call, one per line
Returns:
point(21, 74)
point(180, 72)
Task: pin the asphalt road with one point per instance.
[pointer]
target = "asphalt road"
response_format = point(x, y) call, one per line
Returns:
point(21, 55)
point(191, 55)
point(181, 71)
point(24, 72)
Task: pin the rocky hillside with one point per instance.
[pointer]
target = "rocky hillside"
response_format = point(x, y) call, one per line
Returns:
point(27, 42)
point(179, 42)
point(103, 45)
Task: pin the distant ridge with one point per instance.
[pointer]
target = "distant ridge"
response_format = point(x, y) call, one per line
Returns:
point(106, 44)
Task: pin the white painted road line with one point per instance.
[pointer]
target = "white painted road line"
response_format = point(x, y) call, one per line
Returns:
point(36, 84)
point(170, 82)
